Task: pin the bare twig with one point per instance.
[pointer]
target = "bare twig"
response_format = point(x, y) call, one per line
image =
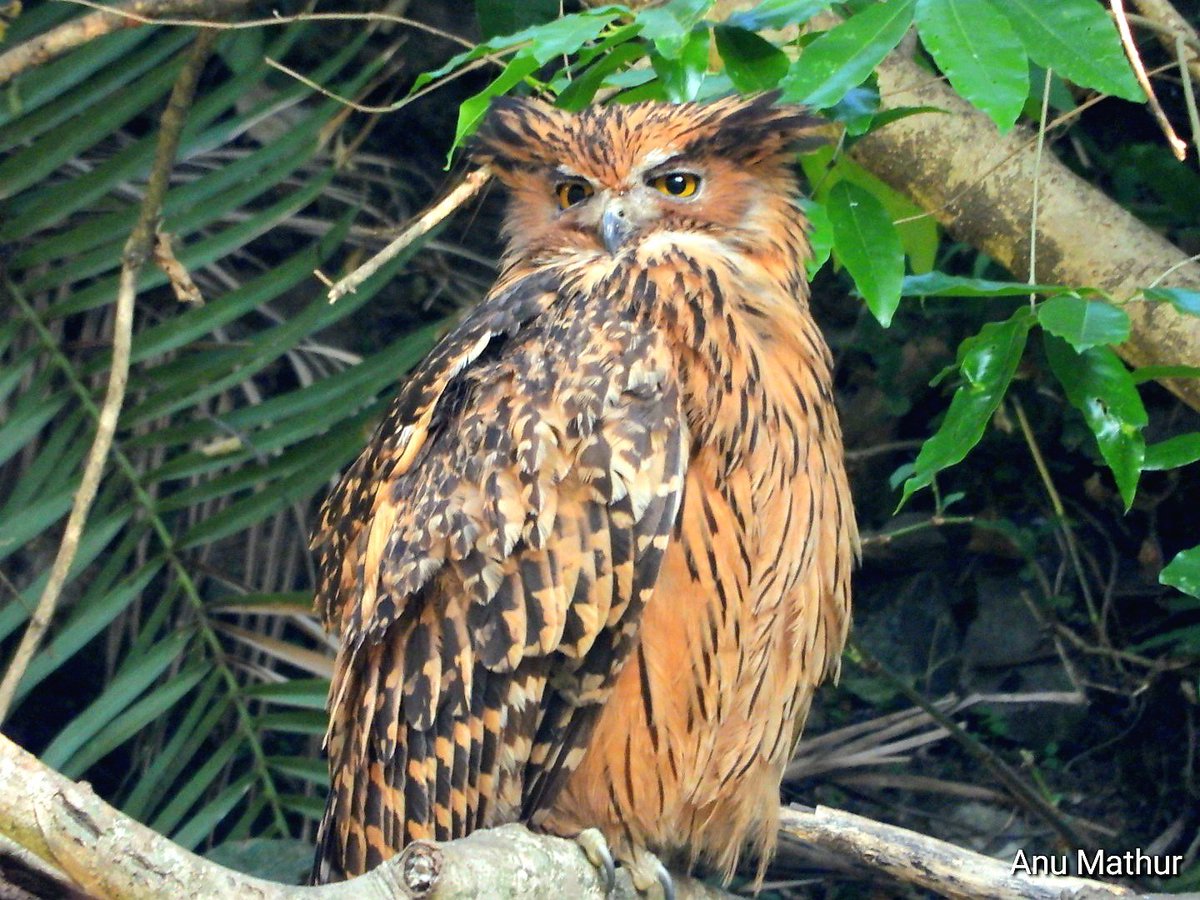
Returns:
point(137, 249)
point(461, 194)
point(1178, 145)
point(131, 14)
point(1026, 795)
point(1169, 23)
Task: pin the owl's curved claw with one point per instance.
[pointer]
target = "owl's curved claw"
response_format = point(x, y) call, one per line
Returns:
point(591, 841)
point(647, 871)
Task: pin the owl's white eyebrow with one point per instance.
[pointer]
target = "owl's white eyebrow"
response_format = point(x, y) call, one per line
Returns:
point(568, 172)
point(656, 159)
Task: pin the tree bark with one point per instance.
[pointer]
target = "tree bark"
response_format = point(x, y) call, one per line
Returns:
point(979, 184)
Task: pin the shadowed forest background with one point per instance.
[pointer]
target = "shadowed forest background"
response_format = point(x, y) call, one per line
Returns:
point(1020, 592)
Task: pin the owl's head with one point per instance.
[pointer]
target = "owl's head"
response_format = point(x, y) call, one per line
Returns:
point(611, 177)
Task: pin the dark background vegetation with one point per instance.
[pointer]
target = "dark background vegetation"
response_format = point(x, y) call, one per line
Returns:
point(977, 588)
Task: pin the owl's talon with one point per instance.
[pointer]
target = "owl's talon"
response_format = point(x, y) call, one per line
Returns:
point(646, 871)
point(591, 841)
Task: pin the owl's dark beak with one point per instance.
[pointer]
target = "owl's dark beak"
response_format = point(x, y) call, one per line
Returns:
point(615, 228)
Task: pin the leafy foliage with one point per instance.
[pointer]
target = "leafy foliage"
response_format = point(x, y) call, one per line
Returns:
point(188, 603)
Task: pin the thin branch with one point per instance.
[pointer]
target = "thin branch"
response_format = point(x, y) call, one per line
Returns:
point(1037, 179)
point(54, 43)
point(462, 193)
point(288, 20)
point(137, 249)
point(1178, 145)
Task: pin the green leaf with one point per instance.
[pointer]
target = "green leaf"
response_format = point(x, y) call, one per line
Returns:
point(939, 284)
point(820, 235)
point(670, 25)
point(752, 64)
point(497, 17)
point(1183, 572)
point(774, 14)
point(285, 860)
point(473, 109)
point(304, 693)
point(1157, 373)
point(134, 678)
point(1099, 386)
point(682, 74)
point(1184, 300)
point(1076, 39)
point(974, 44)
point(987, 362)
point(203, 776)
point(1083, 323)
point(582, 89)
point(845, 56)
point(1181, 450)
point(202, 824)
point(867, 244)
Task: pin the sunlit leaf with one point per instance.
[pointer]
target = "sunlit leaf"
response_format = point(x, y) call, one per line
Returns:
point(752, 63)
point(974, 44)
point(1083, 323)
point(1076, 39)
point(843, 57)
point(867, 244)
point(1181, 450)
point(1184, 300)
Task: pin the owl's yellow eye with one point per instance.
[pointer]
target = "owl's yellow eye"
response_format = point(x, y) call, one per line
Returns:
point(571, 192)
point(676, 184)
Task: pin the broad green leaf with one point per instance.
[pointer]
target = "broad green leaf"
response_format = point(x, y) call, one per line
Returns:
point(499, 17)
point(1099, 386)
point(582, 89)
point(820, 235)
point(918, 230)
point(939, 284)
point(670, 25)
point(1183, 572)
point(682, 74)
point(1184, 300)
point(987, 363)
point(473, 109)
point(973, 43)
point(843, 57)
point(1076, 39)
point(310, 807)
point(867, 244)
point(1083, 323)
point(752, 64)
point(773, 14)
point(1181, 450)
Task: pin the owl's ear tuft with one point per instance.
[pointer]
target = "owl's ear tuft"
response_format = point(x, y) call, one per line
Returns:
point(755, 129)
point(517, 134)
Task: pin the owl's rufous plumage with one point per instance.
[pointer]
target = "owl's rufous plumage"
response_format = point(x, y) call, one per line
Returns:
point(596, 558)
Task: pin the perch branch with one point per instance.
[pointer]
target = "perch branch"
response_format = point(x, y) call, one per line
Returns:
point(137, 249)
point(110, 855)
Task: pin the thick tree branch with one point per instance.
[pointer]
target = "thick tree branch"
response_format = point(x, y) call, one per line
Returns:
point(977, 183)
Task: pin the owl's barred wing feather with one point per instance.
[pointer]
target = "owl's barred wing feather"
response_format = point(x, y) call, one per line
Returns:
point(487, 559)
